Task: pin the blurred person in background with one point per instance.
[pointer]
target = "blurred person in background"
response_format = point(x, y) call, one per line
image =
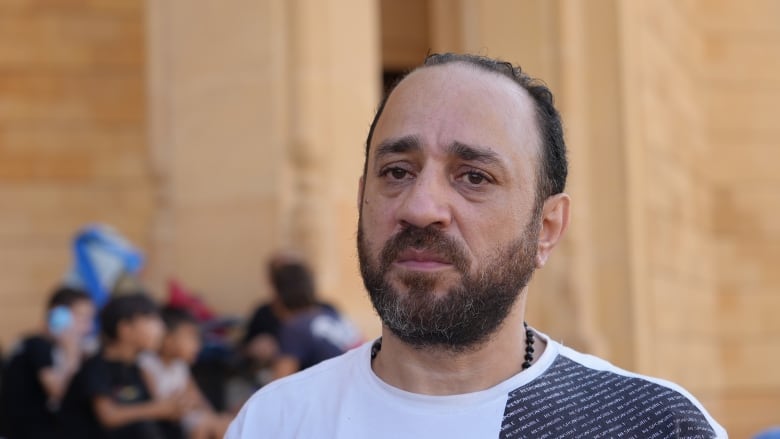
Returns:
point(260, 343)
point(310, 333)
point(167, 374)
point(108, 397)
point(40, 369)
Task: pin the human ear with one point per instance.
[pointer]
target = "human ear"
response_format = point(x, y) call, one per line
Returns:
point(555, 220)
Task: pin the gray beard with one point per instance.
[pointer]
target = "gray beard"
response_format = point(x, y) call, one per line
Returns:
point(469, 313)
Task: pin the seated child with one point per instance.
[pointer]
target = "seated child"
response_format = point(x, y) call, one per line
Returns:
point(40, 369)
point(168, 374)
point(108, 397)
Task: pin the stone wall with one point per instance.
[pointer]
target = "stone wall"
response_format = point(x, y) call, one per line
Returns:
point(674, 289)
point(73, 143)
point(258, 114)
point(739, 75)
point(701, 88)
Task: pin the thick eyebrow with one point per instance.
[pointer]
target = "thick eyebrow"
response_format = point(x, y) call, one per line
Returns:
point(411, 143)
point(398, 145)
point(472, 153)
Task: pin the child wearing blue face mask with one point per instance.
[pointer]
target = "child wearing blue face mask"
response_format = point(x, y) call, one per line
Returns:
point(40, 369)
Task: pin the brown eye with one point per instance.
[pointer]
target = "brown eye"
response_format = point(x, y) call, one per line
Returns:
point(475, 178)
point(398, 173)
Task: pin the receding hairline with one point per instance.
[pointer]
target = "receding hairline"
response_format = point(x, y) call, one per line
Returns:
point(536, 132)
point(465, 65)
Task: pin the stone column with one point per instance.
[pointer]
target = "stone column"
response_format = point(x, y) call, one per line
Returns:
point(257, 115)
point(333, 89)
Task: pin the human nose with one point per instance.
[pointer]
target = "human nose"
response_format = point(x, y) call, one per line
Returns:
point(426, 203)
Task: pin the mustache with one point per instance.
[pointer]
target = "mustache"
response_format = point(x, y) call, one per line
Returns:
point(427, 238)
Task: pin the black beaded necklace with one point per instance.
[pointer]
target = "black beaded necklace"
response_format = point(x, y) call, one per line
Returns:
point(529, 347)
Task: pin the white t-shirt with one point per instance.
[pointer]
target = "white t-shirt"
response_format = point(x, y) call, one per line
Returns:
point(169, 379)
point(564, 394)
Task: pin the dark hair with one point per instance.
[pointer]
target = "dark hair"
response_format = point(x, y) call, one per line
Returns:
point(551, 175)
point(66, 296)
point(294, 284)
point(123, 308)
point(174, 317)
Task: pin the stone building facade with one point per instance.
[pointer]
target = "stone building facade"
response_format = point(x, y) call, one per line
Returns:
point(212, 134)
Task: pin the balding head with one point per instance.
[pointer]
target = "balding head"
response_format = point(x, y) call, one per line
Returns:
point(552, 167)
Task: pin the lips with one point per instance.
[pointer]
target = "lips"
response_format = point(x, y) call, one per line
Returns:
point(423, 249)
point(421, 260)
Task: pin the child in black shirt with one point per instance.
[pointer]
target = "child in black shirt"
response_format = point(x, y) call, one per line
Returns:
point(108, 397)
point(41, 367)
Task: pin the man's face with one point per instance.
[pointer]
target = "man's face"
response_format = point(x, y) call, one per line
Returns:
point(449, 222)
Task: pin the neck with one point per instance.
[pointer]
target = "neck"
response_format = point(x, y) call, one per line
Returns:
point(166, 358)
point(443, 372)
point(119, 351)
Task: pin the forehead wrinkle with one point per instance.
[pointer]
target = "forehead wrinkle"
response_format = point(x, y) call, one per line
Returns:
point(449, 80)
point(474, 153)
